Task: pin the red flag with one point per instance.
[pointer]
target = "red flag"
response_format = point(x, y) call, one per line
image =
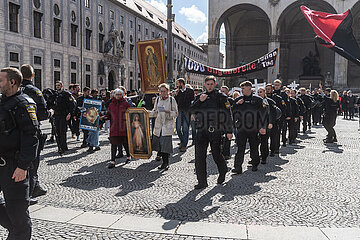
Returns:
point(334, 31)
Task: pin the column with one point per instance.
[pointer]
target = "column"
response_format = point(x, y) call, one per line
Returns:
point(274, 43)
point(340, 72)
point(213, 52)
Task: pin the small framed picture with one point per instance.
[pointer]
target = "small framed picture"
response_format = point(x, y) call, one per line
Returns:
point(138, 132)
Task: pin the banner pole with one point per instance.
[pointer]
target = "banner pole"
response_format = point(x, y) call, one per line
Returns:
point(272, 73)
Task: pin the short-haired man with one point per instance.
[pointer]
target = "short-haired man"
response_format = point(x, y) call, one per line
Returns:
point(18, 149)
point(42, 114)
point(250, 114)
point(184, 97)
point(286, 110)
point(213, 119)
point(64, 107)
point(307, 99)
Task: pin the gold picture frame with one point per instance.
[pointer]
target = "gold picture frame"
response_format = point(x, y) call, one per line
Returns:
point(138, 132)
point(151, 57)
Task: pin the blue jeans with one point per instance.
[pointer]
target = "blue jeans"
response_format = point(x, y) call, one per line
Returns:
point(182, 127)
point(93, 138)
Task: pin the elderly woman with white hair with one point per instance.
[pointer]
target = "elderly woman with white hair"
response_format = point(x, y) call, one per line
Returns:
point(116, 115)
point(165, 112)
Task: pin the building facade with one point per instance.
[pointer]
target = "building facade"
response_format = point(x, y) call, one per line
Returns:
point(255, 27)
point(89, 42)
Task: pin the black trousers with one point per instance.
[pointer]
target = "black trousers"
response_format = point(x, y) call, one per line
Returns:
point(329, 124)
point(316, 115)
point(292, 129)
point(33, 174)
point(86, 135)
point(226, 147)
point(264, 144)
point(241, 139)
point(275, 137)
point(14, 214)
point(284, 127)
point(203, 138)
point(74, 126)
point(114, 149)
point(307, 120)
point(61, 129)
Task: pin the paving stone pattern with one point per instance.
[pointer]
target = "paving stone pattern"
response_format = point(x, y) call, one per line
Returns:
point(310, 184)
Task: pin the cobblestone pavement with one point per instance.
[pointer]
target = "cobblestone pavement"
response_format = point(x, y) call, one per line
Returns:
point(308, 184)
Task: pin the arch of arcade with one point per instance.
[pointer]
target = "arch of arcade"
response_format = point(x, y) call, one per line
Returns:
point(255, 27)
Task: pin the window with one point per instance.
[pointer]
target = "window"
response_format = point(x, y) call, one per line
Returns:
point(37, 3)
point(73, 16)
point(73, 35)
point(150, 14)
point(57, 29)
point(73, 78)
point(14, 17)
point(14, 57)
point(37, 24)
point(139, 27)
point(131, 74)
point(139, 7)
point(131, 24)
point(87, 3)
point(87, 68)
point(153, 34)
point(88, 39)
point(73, 65)
point(37, 60)
point(56, 10)
point(100, 9)
point(101, 43)
point(56, 76)
point(131, 51)
point(37, 78)
point(146, 31)
point(87, 80)
point(56, 63)
point(122, 19)
point(111, 14)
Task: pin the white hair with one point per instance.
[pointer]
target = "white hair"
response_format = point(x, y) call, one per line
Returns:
point(117, 91)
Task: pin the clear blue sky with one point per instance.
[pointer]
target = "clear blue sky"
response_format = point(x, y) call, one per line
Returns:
point(191, 15)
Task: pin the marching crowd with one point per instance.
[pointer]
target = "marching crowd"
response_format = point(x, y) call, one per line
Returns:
point(273, 115)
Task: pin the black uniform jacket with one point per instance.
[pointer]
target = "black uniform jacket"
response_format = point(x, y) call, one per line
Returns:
point(18, 129)
point(252, 114)
point(214, 114)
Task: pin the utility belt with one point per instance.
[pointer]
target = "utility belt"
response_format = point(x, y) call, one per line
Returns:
point(5, 158)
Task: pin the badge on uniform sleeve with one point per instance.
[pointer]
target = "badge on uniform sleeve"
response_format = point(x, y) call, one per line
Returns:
point(264, 105)
point(70, 99)
point(283, 102)
point(227, 105)
point(31, 110)
point(39, 93)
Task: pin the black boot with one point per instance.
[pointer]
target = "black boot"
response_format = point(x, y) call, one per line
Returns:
point(90, 150)
point(165, 164)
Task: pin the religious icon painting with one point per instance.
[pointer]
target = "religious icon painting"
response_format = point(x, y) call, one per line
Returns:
point(138, 132)
point(152, 64)
point(90, 115)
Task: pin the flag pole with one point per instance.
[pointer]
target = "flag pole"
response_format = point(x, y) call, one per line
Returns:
point(272, 73)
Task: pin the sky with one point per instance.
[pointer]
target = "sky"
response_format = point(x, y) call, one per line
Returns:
point(191, 15)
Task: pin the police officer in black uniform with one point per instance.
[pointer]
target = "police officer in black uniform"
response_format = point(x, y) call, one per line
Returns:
point(301, 105)
point(308, 104)
point(213, 118)
point(276, 130)
point(286, 111)
point(64, 106)
point(295, 114)
point(317, 110)
point(274, 111)
point(250, 114)
point(42, 114)
point(331, 105)
point(18, 149)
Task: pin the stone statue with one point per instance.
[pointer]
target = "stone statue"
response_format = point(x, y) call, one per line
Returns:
point(311, 65)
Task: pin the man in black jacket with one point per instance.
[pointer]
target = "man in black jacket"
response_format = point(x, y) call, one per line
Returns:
point(250, 114)
point(308, 104)
point(317, 110)
point(18, 149)
point(42, 114)
point(184, 97)
point(213, 117)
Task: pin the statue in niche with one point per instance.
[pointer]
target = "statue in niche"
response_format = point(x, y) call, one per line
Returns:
point(311, 65)
point(113, 43)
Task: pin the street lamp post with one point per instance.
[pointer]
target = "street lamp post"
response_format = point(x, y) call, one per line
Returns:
point(170, 53)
